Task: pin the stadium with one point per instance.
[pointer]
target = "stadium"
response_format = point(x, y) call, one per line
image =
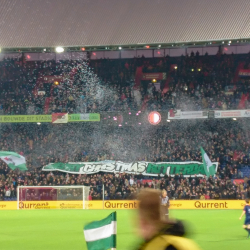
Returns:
point(102, 100)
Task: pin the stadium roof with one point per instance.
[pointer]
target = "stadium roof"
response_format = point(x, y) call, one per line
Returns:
point(50, 23)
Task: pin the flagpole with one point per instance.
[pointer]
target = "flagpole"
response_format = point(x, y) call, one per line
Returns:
point(103, 196)
point(17, 197)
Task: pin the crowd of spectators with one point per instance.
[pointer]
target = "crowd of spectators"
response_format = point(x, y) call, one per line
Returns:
point(193, 83)
point(225, 141)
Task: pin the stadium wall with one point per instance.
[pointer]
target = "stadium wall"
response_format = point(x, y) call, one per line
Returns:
point(123, 204)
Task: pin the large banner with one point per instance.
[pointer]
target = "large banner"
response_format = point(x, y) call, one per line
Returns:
point(178, 114)
point(151, 76)
point(231, 113)
point(90, 117)
point(145, 168)
point(244, 73)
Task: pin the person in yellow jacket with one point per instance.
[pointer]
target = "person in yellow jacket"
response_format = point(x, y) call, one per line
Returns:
point(156, 233)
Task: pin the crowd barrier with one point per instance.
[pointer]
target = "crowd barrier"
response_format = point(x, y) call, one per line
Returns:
point(120, 204)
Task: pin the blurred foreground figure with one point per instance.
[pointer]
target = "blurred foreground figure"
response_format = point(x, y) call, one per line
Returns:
point(246, 211)
point(159, 234)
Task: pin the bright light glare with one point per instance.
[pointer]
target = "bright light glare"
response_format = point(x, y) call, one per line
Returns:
point(168, 120)
point(39, 123)
point(59, 49)
point(156, 117)
point(234, 119)
point(120, 47)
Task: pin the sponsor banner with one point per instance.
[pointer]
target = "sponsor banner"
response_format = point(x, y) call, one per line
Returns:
point(121, 204)
point(238, 181)
point(145, 168)
point(151, 76)
point(207, 204)
point(181, 204)
point(232, 113)
point(51, 79)
point(48, 118)
point(91, 117)
point(24, 118)
point(178, 114)
point(244, 72)
point(30, 205)
point(60, 118)
point(8, 205)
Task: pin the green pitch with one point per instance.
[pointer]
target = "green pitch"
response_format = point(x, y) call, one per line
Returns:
point(63, 229)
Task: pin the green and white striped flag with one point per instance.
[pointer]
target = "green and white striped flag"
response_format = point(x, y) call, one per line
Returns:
point(101, 235)
point(208, 165)
point(13, 160)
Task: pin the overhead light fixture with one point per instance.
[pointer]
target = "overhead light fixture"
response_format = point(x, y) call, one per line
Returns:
point(154, 80)
point(59, 49)
point(199, 69)
point(192, 69)
point(175, 67)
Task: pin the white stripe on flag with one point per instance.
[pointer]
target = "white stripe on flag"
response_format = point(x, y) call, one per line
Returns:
point(100, 232)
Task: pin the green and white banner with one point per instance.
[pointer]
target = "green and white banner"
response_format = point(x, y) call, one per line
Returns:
point(145, 168)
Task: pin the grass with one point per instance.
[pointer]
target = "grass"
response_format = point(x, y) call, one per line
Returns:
point(63, 229)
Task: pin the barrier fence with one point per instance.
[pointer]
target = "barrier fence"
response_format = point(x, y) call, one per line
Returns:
point(120, 204)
